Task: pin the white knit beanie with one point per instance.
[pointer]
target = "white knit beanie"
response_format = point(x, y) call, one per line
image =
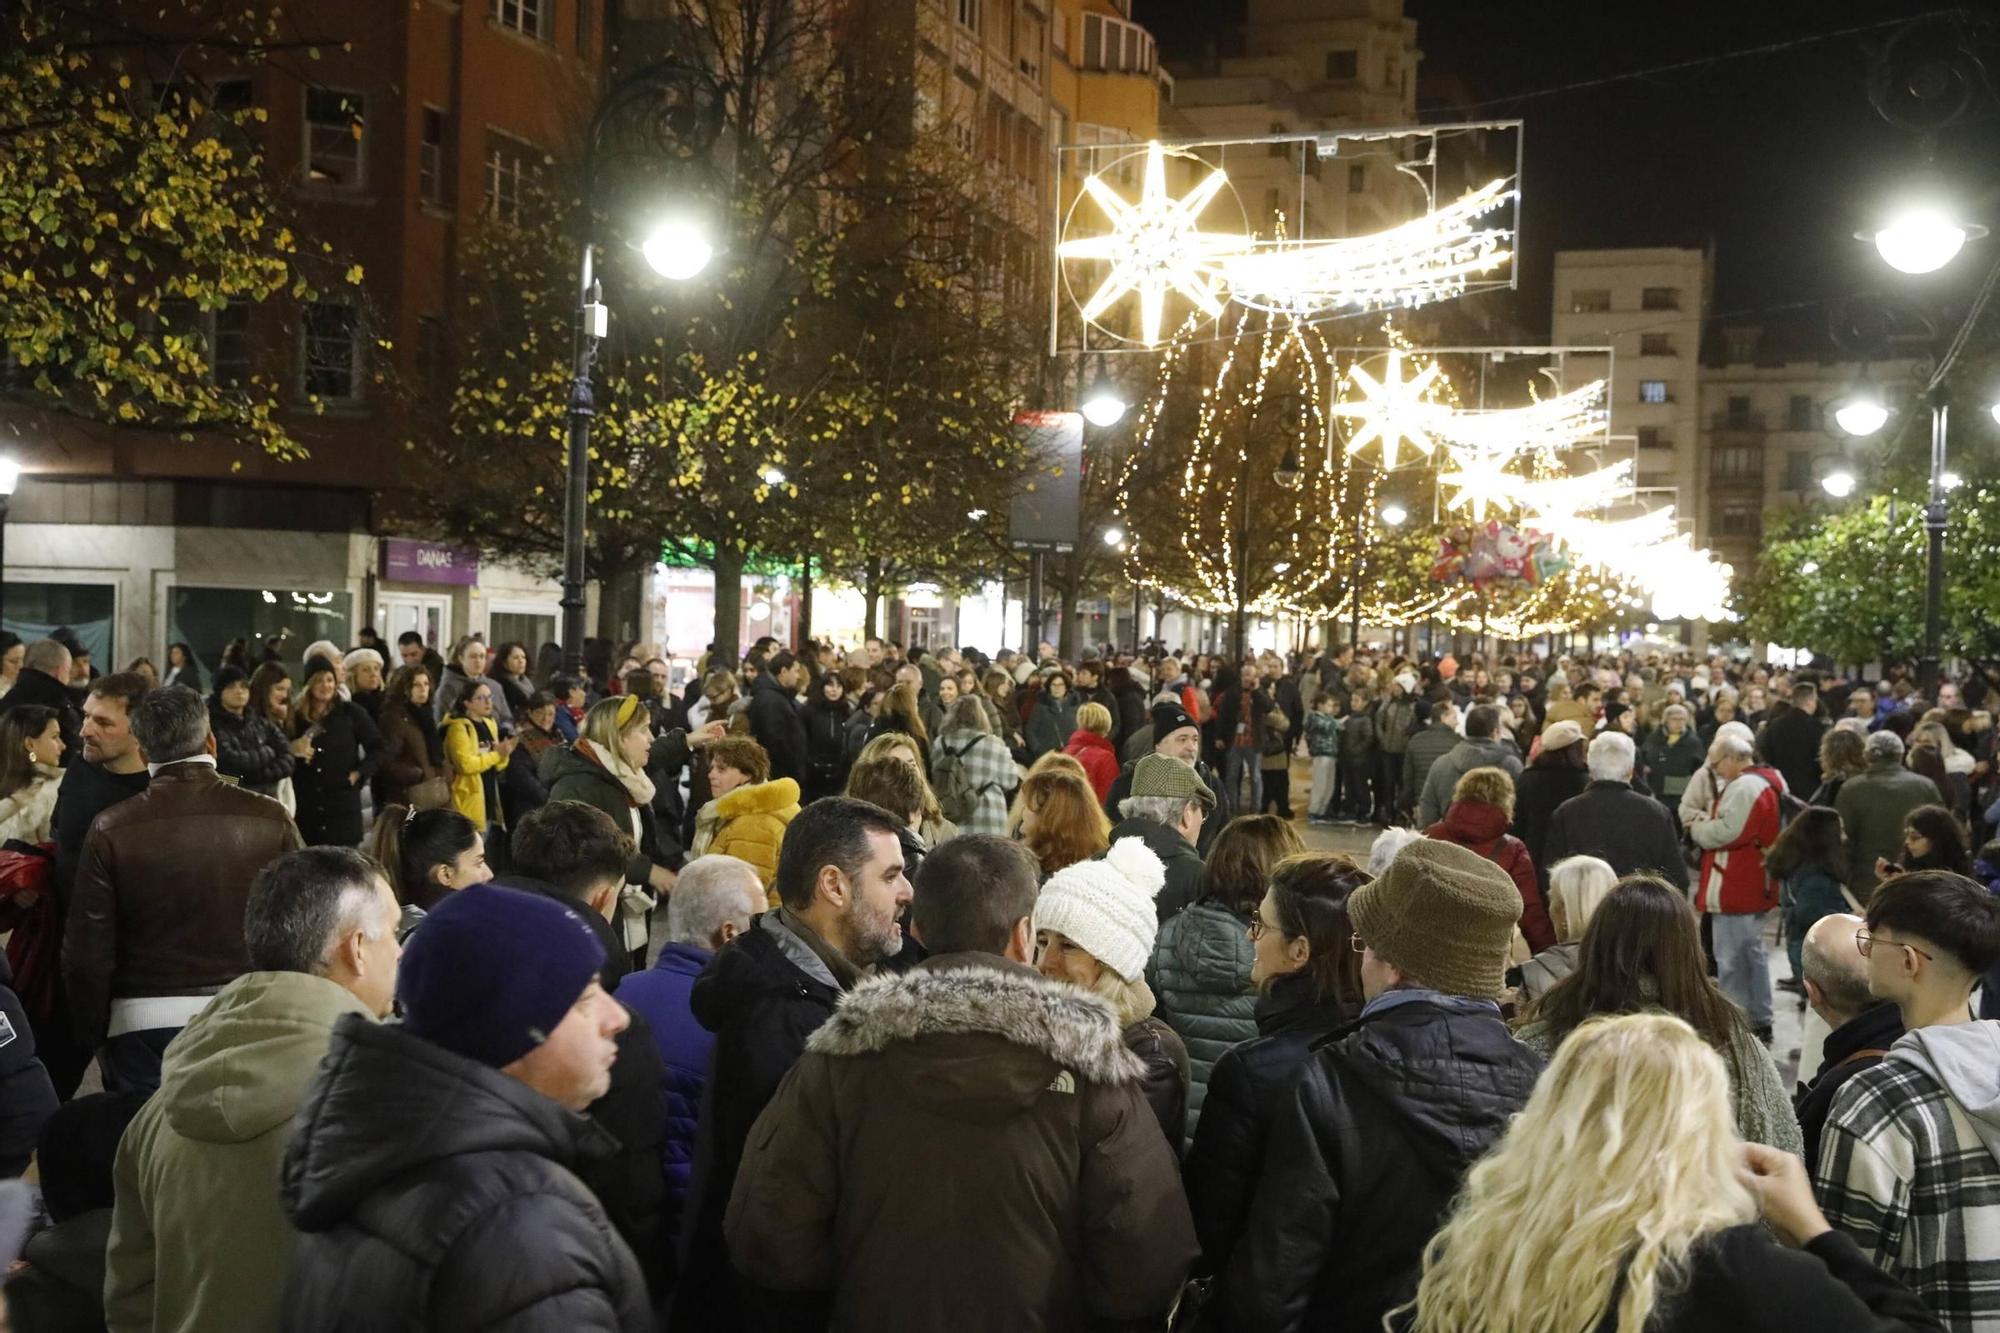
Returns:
point(1106, 906)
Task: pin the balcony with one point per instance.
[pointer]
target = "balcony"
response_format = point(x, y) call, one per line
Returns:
point(1748, 423)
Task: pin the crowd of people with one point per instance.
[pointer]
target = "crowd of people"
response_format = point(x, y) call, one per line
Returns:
point(901, 989)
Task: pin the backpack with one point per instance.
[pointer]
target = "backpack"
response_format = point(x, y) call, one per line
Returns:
point(1789, 806)
point(956, 795)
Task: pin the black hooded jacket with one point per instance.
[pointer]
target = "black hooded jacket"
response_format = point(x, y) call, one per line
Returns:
point(433, 1192)
point(1365, 1157)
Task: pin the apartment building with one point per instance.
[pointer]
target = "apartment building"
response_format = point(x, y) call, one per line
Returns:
point(1647, 305)
point(1767, 436)
point(414, 118)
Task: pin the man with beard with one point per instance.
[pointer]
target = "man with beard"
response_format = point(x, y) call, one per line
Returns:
point(841, 886)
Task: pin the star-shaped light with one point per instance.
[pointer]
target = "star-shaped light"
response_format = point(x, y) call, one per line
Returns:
point(1482, 482)
point(1391, 410)
point(1155, 247)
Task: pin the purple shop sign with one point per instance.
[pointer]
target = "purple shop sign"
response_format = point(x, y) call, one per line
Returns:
point(428, 562)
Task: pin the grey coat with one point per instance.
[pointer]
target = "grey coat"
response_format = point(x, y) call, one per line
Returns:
point(1460, 760)
point(1200, 975)
point(1872, 809)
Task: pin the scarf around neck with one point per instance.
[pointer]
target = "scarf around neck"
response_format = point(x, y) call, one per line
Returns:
point(638, 787)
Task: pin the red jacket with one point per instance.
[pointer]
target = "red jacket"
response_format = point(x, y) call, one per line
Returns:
point(1743, 823)
point(1482, 828)
point(1098, 757)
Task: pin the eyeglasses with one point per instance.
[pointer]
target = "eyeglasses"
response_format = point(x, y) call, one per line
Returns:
point(1866, 943)
point(1259, 928)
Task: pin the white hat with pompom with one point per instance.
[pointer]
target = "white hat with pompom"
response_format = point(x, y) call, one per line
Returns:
point(1106, 906)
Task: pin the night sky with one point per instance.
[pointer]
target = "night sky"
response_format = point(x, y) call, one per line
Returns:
point(1777, 158)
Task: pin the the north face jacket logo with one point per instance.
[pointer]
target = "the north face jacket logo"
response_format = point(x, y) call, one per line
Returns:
point(1064, 1081)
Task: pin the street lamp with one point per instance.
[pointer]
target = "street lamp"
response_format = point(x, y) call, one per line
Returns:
point(10, 477)
point(1839, 483)
point(677, 248)
point(1103, 402)
point(681, 111)
point(1861, 410)
point(1394, 514)
point(1290, 471)
point(1921, 238)
point(1113, 535)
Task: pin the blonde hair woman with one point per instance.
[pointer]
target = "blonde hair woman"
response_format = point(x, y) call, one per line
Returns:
point(606, 768)
point(1577, 884)
point(1621, 1198)
point(935, 828)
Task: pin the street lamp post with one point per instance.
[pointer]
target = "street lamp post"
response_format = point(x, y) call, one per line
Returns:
point(1934, 520)
point(680, 109)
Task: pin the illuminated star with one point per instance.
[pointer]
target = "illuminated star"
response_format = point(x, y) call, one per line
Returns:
point(1482, 483)
point(1154, 246)
point(1391, 410)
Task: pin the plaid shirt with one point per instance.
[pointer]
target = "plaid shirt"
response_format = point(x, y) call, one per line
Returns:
point(1903, 1171)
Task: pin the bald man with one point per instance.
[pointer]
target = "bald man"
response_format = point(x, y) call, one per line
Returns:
point(1863, 1027)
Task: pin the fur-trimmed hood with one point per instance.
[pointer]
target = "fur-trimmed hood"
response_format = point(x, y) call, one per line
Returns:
point(983, 995)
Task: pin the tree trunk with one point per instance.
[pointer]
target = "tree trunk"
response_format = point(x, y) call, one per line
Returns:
point(803, 635)
point(728, 567)
point(871, 589)
point(1066, 593)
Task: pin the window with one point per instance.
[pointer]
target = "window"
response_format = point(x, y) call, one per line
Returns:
point(1736, 462)
point(1028, 43)
point(334, 126)
point(1737, 521)
point(1798, 470)
point(1357, 179)
point(1656, 344)
point(1653, 391)
point(1059, 32)
point(530, 18)
point(1589, 300)
point(1652, 437)
point(330, 352)
point(968, 14)
point(1343, 66)
point(1799, 412)
point(230, 352)
point(1115, 45)
point(206, 619)
point(35, 610)
point(1660, 298)
point(510, 170)
point(1739, 411)
point(434, 173)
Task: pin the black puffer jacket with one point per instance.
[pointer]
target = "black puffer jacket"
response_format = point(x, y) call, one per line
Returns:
point(827, 761)
point(762, 995)
point(1364, 1159)
point(433, 1192)
point(1246, 1090)
point(250, 749)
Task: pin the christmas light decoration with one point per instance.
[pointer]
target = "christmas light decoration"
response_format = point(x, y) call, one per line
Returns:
point(1429, 258)
point(1563, 422)
point(1154, 245)
point(1391, 409)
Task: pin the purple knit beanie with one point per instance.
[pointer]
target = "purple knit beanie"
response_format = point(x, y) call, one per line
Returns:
point(490, 972)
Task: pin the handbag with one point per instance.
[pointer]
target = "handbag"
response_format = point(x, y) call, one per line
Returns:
point(433, 793)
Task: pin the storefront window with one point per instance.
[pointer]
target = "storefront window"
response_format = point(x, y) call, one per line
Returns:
point(36, 610)
point(209, 619)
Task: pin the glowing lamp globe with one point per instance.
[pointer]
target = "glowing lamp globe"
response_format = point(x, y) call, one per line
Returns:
point(1839, 485)
point(1921, 239)
point(1102, 404)
point(1861, 415)
point(677, 248)
point(1394, 515)
point(1113, 535)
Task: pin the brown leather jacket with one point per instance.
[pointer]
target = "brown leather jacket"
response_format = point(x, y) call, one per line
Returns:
point(158, 907)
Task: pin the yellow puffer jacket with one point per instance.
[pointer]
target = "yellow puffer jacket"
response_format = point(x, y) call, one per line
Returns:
point(468, 762)
point(749, 823)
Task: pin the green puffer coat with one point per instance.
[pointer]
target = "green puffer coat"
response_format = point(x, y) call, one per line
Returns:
point(1200, 975)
